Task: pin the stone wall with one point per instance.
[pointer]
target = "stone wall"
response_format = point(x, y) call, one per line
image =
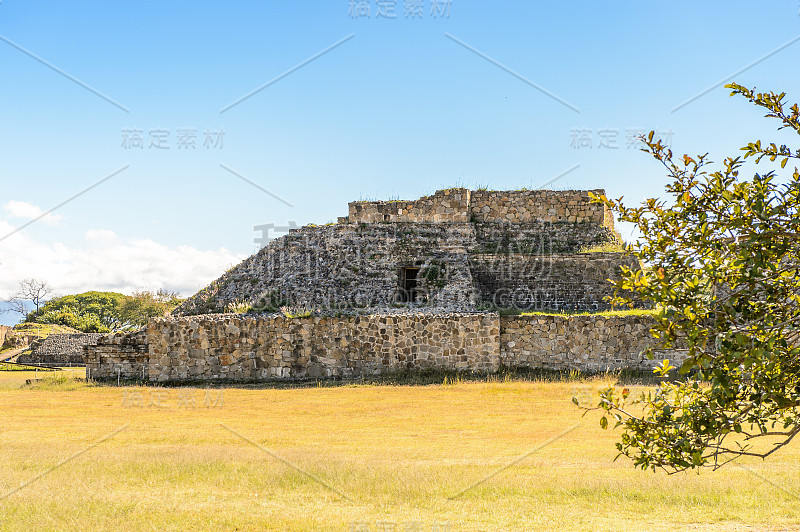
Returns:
point(124, 353)
point(451, 205)
point(522, 206)
point(584, 342)
point(4, 330)
point(508, 207)
point(20, 339)
point(539, 238)
point(348, 266)
point(256, 348)
point(577, 282)
point(359, 266)
point(231, 347)
point(260, 348)
point(58, 349)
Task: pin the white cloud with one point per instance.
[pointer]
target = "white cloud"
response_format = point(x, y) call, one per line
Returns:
point(108, 263)
point(101, 235)
point(29, 211)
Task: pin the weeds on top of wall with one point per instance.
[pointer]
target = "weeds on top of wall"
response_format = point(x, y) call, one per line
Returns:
point(238, 307)
point(604, 313)
point(603, 247)
point(297, 312)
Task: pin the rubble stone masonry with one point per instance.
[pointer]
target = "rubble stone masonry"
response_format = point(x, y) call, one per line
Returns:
point(4, 330)
point(58, 349)
point(404, 286)
point(252, 348)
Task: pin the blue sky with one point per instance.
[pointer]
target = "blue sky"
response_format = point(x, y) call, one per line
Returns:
point(401, 107)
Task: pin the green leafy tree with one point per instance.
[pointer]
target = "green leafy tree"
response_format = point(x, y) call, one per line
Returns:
point(72, 317)
point(87, 312)
point(139, 308)
point(722, 265)
point(105, 311)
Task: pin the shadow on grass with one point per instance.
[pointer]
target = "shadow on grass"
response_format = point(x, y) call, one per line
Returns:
point(418, 378)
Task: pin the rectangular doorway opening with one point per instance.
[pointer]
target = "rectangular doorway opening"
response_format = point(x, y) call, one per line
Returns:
point(408, 285)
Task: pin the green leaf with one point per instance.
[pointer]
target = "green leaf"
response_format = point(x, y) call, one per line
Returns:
point(720, 261)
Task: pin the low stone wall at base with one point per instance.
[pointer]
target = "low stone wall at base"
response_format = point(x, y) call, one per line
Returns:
point(118, 354)
point(592, 343)
point(248, 348)
point(245, 348)
point(59, 349)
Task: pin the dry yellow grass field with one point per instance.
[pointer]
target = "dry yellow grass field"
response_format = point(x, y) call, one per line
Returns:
point(463, 456)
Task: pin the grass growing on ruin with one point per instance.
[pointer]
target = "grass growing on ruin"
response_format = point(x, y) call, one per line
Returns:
point(608, 313)
point(605, 247)
point(41, 330)
point(339, 458)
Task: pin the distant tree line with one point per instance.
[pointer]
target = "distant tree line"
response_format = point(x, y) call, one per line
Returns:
point(90, 311)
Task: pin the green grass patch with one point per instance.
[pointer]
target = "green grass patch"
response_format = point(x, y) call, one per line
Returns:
point(603, 247)
point(13, 367)
point(42, 329)
point(59, 381)
point(609, 313)
point(519, 312)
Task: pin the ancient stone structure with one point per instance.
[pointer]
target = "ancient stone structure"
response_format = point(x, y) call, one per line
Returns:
point(233, 347)
point(58, 349)
point(4, 330)
point(458, 249)
point(459, 205)
point(402, 286)
point(118, 353)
